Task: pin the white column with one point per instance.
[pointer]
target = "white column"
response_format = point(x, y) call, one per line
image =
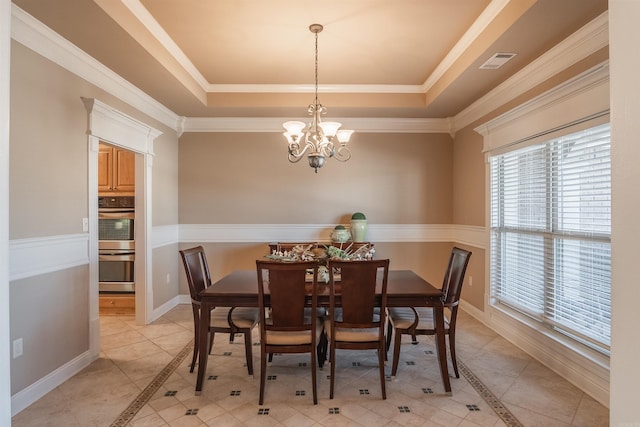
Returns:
point(624, 17)
point(5, 337)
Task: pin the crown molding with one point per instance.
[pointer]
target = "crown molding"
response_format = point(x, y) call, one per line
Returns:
point(36, 36)
point(309, 88)
point(485, 18)
point(583, 96)
point(41, 39)
point(476, 29)
point(584, 42)
point(149, 22)
point(274, 124)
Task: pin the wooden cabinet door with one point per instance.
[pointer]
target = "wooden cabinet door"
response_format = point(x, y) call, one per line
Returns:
point(105, 168)
point(124, 176)
point(116, 171)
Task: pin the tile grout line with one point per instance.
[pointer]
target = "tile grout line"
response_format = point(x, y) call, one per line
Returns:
point(505, 415)
point(145, 395)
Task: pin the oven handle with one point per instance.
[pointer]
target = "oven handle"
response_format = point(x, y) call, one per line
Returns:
point(116, 257)
point(116, 215)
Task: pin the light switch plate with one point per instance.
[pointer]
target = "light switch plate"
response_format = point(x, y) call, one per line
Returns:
point(17, 348)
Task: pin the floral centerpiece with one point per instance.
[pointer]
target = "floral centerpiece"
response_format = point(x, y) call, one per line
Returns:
point(311, 253)
point(364, 252)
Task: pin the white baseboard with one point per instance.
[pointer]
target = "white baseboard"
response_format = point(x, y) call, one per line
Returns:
point(474, 312)
point(165, 308)
point(35, 391)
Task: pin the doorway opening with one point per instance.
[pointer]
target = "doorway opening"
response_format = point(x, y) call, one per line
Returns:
point(116, 230)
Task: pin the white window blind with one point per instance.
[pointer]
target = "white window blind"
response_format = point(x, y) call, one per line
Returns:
point(551, 233)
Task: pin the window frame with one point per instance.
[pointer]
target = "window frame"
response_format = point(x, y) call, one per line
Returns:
point(551, 234)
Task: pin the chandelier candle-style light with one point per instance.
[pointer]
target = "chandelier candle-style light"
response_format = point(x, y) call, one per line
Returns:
point(318, 139)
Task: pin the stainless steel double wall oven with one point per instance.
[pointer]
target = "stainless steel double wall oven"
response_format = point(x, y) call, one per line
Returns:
point(116, 244)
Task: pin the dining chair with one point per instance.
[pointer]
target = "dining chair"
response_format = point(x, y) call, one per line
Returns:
point(229, 320)
point(420, 320)
point(293, 325)
point(356, 313)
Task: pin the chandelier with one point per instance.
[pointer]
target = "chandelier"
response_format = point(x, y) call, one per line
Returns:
point(319, 139)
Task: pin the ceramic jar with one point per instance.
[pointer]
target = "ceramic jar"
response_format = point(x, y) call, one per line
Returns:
point(359, 230)
point(340, 234)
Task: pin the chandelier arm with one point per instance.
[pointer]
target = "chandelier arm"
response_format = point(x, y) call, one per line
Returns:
point(342, 154)
point(294, 159)
point(327, 149)
point(297, 153)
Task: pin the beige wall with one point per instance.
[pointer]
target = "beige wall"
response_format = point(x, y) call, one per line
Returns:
point(49, 142)
point(165, 263)
point(468, 179)
point(54, 330)
point(165, 179)
point(48, 196)
point(232, 178)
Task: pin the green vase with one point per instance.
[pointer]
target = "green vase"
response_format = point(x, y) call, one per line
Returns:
point(359, 230)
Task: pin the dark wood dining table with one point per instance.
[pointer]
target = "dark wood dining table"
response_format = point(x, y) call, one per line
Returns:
point(240, 289)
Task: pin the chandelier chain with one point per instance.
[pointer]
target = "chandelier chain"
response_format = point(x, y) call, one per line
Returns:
point(317, 102)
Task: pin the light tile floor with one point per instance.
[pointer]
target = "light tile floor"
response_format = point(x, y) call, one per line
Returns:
point(133, 355)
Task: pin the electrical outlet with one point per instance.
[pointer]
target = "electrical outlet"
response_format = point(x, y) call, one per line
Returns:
point(17, 348)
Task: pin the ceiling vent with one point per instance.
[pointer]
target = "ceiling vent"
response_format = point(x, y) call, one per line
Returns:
point(497, 61)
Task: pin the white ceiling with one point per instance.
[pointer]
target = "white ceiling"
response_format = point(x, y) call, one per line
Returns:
point(377, 58)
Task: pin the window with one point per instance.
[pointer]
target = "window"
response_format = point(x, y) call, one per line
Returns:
point(551, 233)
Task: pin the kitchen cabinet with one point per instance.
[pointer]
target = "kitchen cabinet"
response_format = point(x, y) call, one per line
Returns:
point(116, 171)
point(117, 304)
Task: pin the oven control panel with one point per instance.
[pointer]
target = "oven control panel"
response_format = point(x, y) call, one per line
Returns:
point(116, 202)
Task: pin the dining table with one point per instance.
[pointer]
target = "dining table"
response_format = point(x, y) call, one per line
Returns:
point(239, 288)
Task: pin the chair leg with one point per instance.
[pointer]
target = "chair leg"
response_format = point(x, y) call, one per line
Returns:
point(381, 357)
point(314, 383)
point(452, 347)
point(332, 360)
point(263, 375)
point(196, 343)
point(396, 352)
point(322, 349)
point(247, 350)
point(211, 337)
point(389, 333)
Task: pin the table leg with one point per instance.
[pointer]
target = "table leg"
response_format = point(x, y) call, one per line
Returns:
point(441, 346)
point(203, 351)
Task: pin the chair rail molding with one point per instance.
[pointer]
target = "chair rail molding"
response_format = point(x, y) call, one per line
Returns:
point(41, 255)
point(195, 233)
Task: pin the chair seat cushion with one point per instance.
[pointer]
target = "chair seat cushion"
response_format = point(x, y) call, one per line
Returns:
point(242, 317)
point(352, 334)
point(403, 317)
point(293, 337)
